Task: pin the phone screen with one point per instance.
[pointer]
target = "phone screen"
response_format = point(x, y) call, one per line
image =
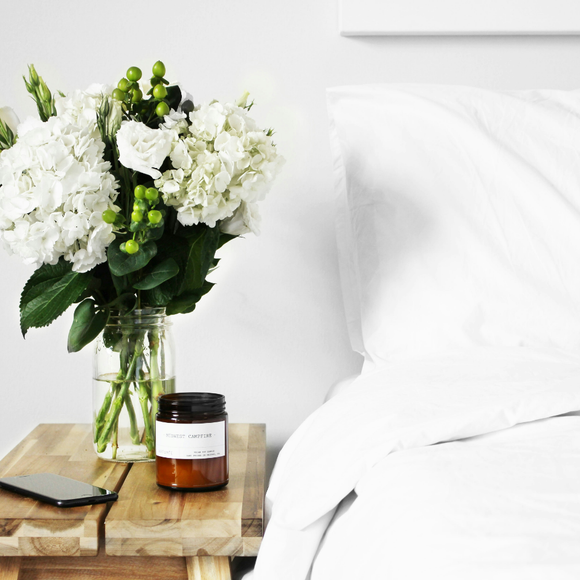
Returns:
point(57, 490)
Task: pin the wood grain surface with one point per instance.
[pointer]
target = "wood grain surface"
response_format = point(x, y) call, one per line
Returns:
point(206, 568)
point(146, 528)
point(32, 528)
point(150, 521)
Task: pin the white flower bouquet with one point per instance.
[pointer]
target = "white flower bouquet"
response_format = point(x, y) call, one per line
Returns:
point(120, 197)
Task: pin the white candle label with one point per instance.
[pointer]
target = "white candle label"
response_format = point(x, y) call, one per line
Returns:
point(190, 440)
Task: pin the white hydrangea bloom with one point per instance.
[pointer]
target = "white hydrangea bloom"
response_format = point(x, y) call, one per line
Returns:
point(54, 186)
point(80, 107)
point(221, 168)
point(176, 120)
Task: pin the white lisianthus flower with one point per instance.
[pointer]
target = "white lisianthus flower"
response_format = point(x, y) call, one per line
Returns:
point(144, 149)
point(222, 166)
point(54, 186)
point(9, 118)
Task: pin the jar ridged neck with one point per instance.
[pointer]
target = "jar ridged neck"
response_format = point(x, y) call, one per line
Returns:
point(140, 317)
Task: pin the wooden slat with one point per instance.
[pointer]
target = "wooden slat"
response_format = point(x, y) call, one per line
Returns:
point(31, 528)
point(253, 504)
point(9, 568)
point(149, 521)
point(102, 567)
point(120, 568)
point(208, 568)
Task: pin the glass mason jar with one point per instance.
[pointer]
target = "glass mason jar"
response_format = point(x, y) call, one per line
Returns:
point(133, 365)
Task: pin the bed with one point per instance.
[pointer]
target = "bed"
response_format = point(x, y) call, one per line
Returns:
point(456, 452)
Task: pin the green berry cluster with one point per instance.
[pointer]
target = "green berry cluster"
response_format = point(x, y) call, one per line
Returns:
point(144, 218)
point(130, 94)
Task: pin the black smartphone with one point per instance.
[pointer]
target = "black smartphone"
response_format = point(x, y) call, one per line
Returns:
point(57, 490)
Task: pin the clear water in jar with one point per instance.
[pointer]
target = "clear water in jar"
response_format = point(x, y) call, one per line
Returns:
point(128, 439)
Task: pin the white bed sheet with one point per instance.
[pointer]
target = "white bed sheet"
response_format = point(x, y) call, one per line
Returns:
point(458, 472)
point(501, 506)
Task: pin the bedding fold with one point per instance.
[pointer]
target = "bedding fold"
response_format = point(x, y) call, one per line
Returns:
point(397, 408)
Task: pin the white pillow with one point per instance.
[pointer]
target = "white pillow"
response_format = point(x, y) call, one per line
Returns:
point(459, 217)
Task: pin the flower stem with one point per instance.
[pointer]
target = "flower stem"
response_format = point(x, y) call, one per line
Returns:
point(115, 441)
point(103, 411)
point(144, 398)
point(134, 431)
point(118, 402)
point(156, 382)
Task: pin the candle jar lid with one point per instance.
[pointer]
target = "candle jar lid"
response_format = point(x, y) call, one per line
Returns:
point(192, 403)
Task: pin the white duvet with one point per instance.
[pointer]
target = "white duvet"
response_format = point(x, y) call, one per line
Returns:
point(455, 466)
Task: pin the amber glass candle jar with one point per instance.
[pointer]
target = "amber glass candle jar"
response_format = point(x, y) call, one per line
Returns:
point(191, 433)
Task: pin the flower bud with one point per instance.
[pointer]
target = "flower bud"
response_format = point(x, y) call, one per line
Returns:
point(9, 118)
point(44, 92)
point(34, 79)
point(114, 118)
point(243, 100)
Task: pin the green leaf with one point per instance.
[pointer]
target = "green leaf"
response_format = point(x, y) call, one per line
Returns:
point(225, 238)
point(160, 295)
point(193, 249)
point(88, 322)
point(187, 301)
point(49, 292)
point(125, 302)
point(122, 264)
point(155, 233)
point(173, 96)
point(174, 248)
point(120, 283)
point(198, 258)
point(162, 272)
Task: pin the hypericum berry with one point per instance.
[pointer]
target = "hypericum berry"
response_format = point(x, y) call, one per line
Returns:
point(109, 216)
point(162, 109)
point(131, 247)
point(136, 95)
point(154, 216)
point(124, 85)
point(134, 73)
point(118, 95)
point(140, 205)
point(140, 191)
point(159, 69)
point(137, 215)
point(159, 91)
point(151, 194)
point(122, 247)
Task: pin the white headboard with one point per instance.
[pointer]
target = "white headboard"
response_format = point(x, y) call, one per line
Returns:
point(456, 17)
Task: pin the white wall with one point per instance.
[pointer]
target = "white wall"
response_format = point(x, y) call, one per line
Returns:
point(270, 335)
